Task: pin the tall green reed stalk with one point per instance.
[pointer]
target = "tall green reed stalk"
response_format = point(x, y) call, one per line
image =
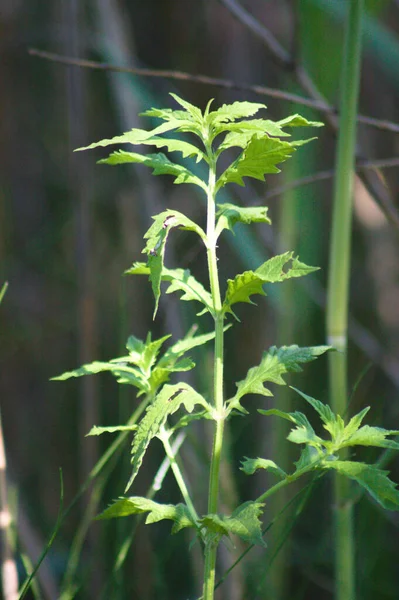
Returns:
point(338, 290)
point(258, 148)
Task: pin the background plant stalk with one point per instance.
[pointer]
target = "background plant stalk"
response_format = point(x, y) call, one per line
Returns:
point(338, 290)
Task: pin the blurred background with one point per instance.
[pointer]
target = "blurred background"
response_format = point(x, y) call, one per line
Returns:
point(69, 229)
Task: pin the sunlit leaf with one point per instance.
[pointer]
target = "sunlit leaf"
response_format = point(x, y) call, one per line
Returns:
point(244, 522)
point(167, 402)
point(275, 363)
point(134, 136)
point(96, 430)
point(298, 121)
point(275, 269)
point(230, 214)
point(244, 285)
point(121, 370)
point(260, 157)
point(156, 241)
point(135, 505)
point(160, 164)
point(179, 280)
point(234, 111)
point(251, 465)
point(375, 481)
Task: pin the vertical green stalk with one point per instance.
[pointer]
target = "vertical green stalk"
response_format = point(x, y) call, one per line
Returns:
point(338, 288)
point(211, 545)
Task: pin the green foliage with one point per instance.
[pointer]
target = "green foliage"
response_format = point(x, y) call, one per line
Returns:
point(135, 505)
point(262, 146)
point(323, 455)
point(251, 465)
point(166, 403)
point(244, 522)
point(244, 285)
point(275, 363)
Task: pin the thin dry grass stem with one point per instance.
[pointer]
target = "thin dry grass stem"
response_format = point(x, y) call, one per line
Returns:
point(320, 105)
point(329, 174)
point(9, 574)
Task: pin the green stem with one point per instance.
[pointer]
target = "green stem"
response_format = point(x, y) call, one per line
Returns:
point(214, 476)
point(289, 479)
point(164, 436)
point(338, 287)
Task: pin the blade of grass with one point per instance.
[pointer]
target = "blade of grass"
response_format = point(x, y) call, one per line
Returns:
point(28, 582)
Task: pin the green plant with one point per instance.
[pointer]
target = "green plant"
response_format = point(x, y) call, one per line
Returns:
point(169, 407)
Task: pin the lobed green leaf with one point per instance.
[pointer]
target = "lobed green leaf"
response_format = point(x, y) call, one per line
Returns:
point(275, 363)
point(244, 522)
point(134, 136)
point(121, 370)
point(160, 164)
point(298, 121)
point(179, 280)
point(167, 402)
point(156, 241)
point(259, 157)
point(134, 505)
point(230, 214)
point(234, 111)
point(375, 481)
point(251, 465)
point(244, 285)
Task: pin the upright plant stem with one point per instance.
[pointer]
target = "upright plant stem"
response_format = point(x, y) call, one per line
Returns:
point(211, 546)
point(338, 288)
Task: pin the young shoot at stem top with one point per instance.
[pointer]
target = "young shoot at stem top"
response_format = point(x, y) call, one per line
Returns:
point(261, 144)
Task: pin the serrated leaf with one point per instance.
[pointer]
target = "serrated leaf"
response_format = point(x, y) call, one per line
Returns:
point(372, 479)
point(143, 354)
point(371, 436)
point(189, 342)
point(259, 157)
point(160, 164)
point(134, 136)
point(298, 121)
point(161, 375)
point(96, 430)
point(244, 285)
point(335, 426)
point(167, 114)
point(243, 522)
point(134, 505)
point(241, 288)
point(275, 363)
point(230, 214)
point(192, 110)
point(356, 421)
point(272, 271)
point(121, 370)
point(251, 465)
point(189, 418)
point(303, 433)
point(240, 134)
point(179, 280)
point(173, 145)
point(234, 111)
point(167, 402)
point(156, 241)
